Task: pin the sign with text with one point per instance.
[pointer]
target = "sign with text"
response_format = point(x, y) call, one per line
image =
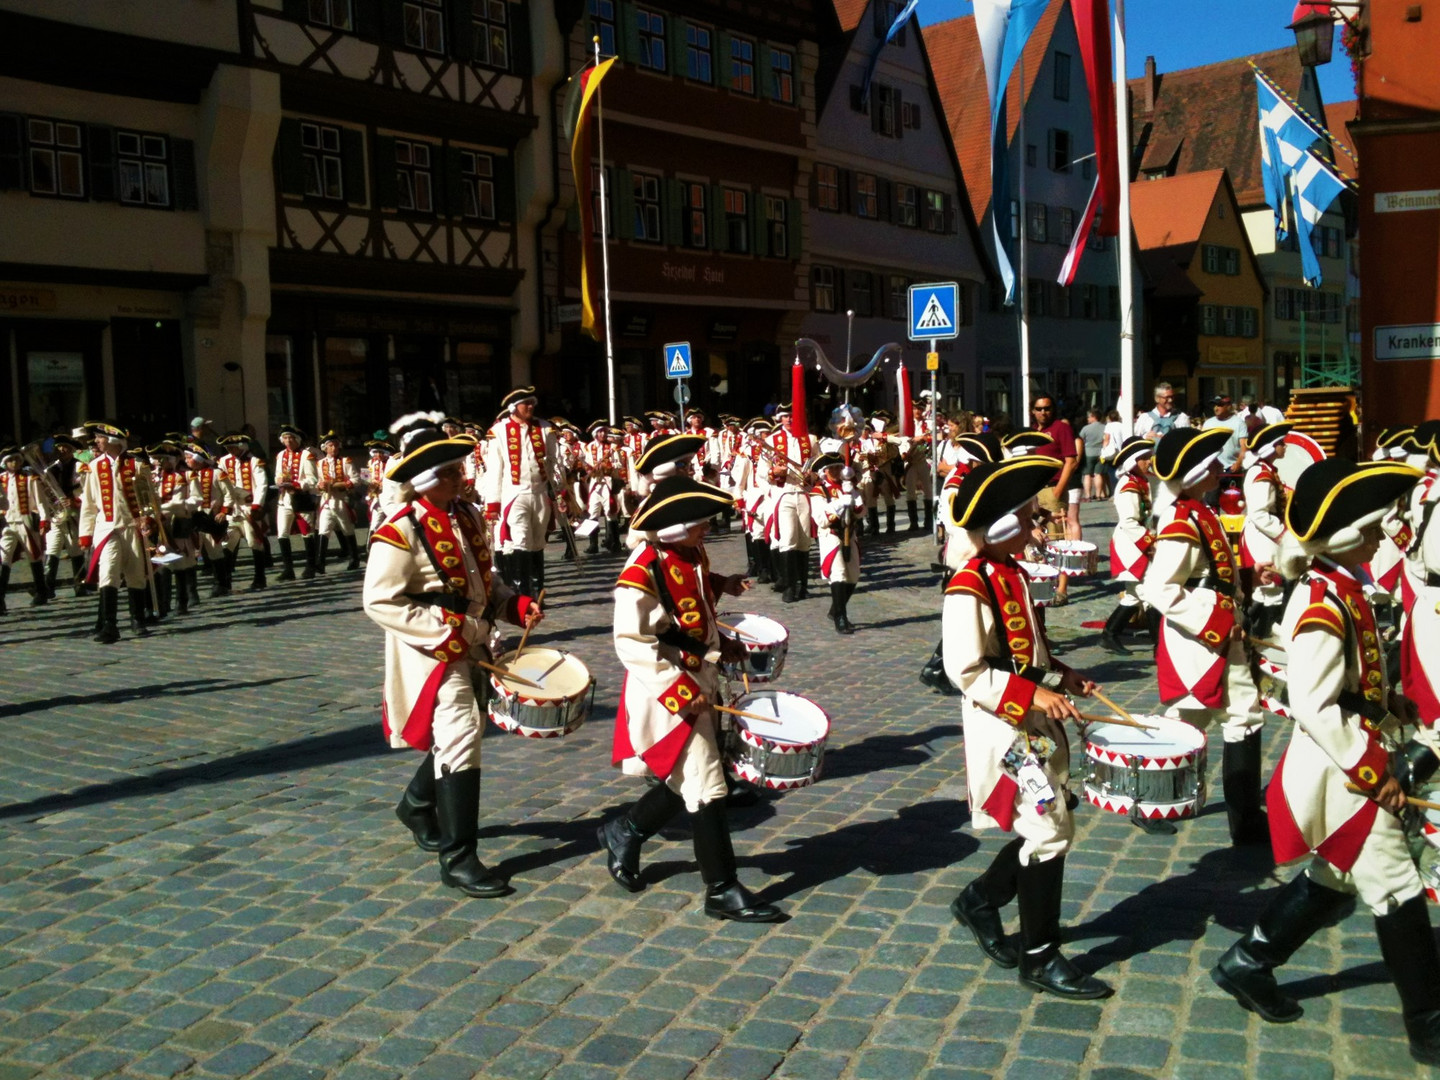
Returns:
point(1418, 341)
point(934, 311)
point(1398, 202)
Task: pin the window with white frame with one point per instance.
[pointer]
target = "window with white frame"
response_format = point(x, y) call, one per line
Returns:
point(415, 186)
point(1232, 261)
point(1249, 322)
point(1229, 321)
point(324, 169)
point(1209, 316)
point(867, 204)
point(777, 227)
point(699, 55)
point(1210, 259)
point(651, 28)
point(332, 13)
point(477, 176)
point(822, 283)
point(742, 65)
point(887, 120)
point(782, 76)
point(1067, 225)
point(737, 220)
point(57, 162)
point(492, 33)
point(602, 24)
point(1036, 231)
point(143, 164)
point(907, 208)
point(827, 187)
point(424, 22)
point(910, 115)
point(695, 216)
point(647, 207)
point(935, 211)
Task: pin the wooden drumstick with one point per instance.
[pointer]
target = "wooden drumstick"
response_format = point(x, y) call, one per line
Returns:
point(507, 675)
point(736, 630)
point(538, 601)
point(746, 715)
point(745, 679)
point(1421, 803)
point(1117, 709)
point(1095, 718)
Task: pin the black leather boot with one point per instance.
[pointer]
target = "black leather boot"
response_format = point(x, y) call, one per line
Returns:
point(164, 588)
point(623, 836)
point(612, 538)
point(933, 673)
point(52, 573)
point(979, 903)
point(416, 808)
point(5, 584)
point(309, 571)
point(1154, 622)
point(257, 580)
point(930, 516)
point(351, 548)
point(1114, 626)
point(837, 608)
point(37, 575)
point(592, 546)
point(794, 575)
point(322, 553)
point(1408, 946)
point(762, 562)
point(725, 897)
point(287, 561)
point(182, 591)
point(457, 804)
point(107, 632)
point(193, 577)
point(779, 570)
point(872, 520)
point(1246, 971)
point(750, 568)
point(1042, 966)
point(231, 558)
point(1240, 779)
point(802, 567)
point(912, 510)
point(890, 520)
point(137, 612)
point(77, 574)
point(217, 575)
point(537, 572)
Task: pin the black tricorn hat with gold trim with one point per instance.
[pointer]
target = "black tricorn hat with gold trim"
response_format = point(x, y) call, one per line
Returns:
point(826, 461)
point(1268, 435)
point(1025, 440)
point(515, 397)
point(429, 449)
point(981, 446)
point(1135, 446)
point(668, 448)
point(1335, 497)
point(993, 489)
point(1183, 452)
point(679, 500)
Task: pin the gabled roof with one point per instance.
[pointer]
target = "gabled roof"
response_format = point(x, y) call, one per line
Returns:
point(959, 67)
point(1169, 217)
point(1207, 118)
point(850, 12)
point(1337, 119)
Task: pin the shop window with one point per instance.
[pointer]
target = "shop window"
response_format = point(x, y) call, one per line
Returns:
point(492, 33)
point(143, 164)
point(414, 183)
point(56, 387)
point(777, 227)
point(699, 54)
point(651, 28)
point(324, 169)
point(827, 187)
point(782, 76)
point(57, 163)
point(602, 25)
point(477, 175)
point(822, 283)
point(347, 404)
point(742, 66)
point(647, 207)
point(332, 13)
point(424, 25)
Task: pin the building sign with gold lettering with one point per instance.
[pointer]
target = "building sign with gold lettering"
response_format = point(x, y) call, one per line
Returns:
point(24, 301)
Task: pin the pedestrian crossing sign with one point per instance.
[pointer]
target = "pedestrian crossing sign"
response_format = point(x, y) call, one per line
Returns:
point(934, 311)
point(677, 360)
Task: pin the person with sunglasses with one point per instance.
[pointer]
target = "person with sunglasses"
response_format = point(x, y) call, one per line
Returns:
point(1055, 497)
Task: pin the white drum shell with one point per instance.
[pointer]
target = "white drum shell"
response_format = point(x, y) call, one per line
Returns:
point(550, 716)
point(1073, 558)
point(1043, 577)
point(782, 758)
point(1163, 770)
point(766, 642)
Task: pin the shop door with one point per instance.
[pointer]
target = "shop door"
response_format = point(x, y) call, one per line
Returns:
point(58, 377)
point(417, 376)
point(149, 376)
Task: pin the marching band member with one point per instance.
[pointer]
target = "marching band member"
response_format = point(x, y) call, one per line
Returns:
point(668, 640)
point(1387, 568)
point(381, 451)
point(295, 480)
point(791, 525)
point(250, 481)
point(879, 482)
point(1132, 540)
point(110, 511)
point(754, 495)
point(1204, 670)
point(1420, 656)
point(61, 538)
point(335, 479)
point(474, 464)
point(172, 493)
point(838, 508)
point(430, 585)
point(522, 471)
point(916, 479)
point(1346, 723)
point(1016, 749)
point(1264, 525)
point(212, 501)
point(27, 516)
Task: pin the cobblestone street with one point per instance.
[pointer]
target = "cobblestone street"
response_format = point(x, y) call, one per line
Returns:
point(201, 875)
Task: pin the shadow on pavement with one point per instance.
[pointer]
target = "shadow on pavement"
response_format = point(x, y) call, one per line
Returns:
point(880, 752)
point(135, 693)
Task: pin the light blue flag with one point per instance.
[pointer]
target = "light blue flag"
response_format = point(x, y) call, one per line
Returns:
point(1313, 187)
point(1285, 138)
point(895, 28)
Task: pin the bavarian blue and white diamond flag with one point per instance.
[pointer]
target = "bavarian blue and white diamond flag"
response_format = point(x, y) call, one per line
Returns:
point(1004, 27)
point(895, 27)
point(1292, 135)
point(1313, 187)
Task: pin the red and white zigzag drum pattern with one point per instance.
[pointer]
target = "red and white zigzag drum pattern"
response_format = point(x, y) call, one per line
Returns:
point(1157, 772)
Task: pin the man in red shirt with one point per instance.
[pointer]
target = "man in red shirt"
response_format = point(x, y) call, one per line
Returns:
point(1054, 499)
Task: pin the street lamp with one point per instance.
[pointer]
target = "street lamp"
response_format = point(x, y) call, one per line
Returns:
point(1314, 24)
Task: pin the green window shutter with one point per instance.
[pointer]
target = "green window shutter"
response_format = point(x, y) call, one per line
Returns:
point(793, 209)
point(184, 183)
point(765, 71)
point(674, 213)
point(103, 182)
point(12, 151)
point(386, 186)
point(722, 58)
point(675, 43)
point(352, 165)
point(461, 29)
point(717, 218)
point(521, 62)
point(759, 227)
point(622, 197)
point(505, 188)
point(454, 182)
point(297, 9)
point(288, 157)
point(629, 43)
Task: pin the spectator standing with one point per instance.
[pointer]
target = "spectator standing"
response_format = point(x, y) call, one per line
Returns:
point(1092, 436)
point(1114, 439)
point(1226, 417)
point(1059, 496)
point(1156, 422)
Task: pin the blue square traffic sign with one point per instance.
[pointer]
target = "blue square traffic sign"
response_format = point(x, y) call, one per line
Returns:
point(934, 311)
point(677, 360)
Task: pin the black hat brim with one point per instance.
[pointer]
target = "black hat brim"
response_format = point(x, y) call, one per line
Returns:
point(1182, 450)
point(1269, 435)
point(677, 500)
point(669, 448)
point(430, 455)
point(1332, 494)
point(995, 488)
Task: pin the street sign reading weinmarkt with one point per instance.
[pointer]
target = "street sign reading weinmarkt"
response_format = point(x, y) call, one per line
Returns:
point(677, 360)
point(934, 311)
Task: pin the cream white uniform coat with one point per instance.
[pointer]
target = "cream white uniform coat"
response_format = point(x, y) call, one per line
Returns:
point(23, 504)
point(294, 471)
point(109, 532)
point(520, 461)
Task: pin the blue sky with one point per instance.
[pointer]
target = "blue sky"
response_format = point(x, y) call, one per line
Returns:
point(1185, 35)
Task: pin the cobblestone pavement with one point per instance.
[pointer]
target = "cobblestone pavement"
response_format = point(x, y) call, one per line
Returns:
point(200, 875)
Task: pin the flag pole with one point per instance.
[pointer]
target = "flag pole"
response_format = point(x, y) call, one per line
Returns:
point(605, 239)
point(1024, 300)
point(1125, 253)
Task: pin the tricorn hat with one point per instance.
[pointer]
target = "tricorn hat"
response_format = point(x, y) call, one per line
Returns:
point(291, 429)
point(826, 461)
point(1184, 454)
point(976, 446)
point(993, 490)
point(1335, 499)
point(1269, 437)
point(668, 450)
point(1390, 443)
point(516, 396)
point(329, 437)
point(1022, 442)
point(428, 449)
point(679, 501)
point(1132, 450)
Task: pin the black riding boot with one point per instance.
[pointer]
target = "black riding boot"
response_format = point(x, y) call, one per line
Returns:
point(257, 581)
point(1153, 622)
point(763, 563)
point(1246, 971)
point(872, 520)
point(1110, 636)
point(802, 564)
point(979, 903)
point(194, 578)
point(457, 804)
point(137, 612)
point(537, 571)
point(1240, 779)
point(725, 897)
point(612, 538)
point(182, 591)
point(779, 570)
point(930, 516)
point(890, 520)
point(416, 808)
point(1042, 966)
point(322, 553)
point(77, 574)
point(794, 575)
point(231, 558)
point(52, 572)
point(309, 571)
point(839, 597)
point(287, 561)
point(5, 584)
point(592, 546)
point(912, 510)
point(1408, 946)
point(37, 575)
point(933, 673)
point(164, 587)
point(349, 545)
point(750, 568)
point(622, 836)
point(107, 632)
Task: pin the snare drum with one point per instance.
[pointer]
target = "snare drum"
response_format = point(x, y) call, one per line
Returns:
point(782, 755)
point(1153, 774)
point(560, 704)
point(1043, 577)
point(766, 643)
point(1273, 686)
point(1073, 558)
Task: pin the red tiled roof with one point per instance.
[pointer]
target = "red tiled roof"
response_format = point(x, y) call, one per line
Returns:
point(850, 12)
point(1171, 213)
point(954, 47)
point(1206, 118)
point(1337, 117)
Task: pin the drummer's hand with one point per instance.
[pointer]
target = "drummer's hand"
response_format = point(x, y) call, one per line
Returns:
point(1047, 727)
point(1075, 683)
point(533, 616)
point(1390, 795)
point(1054, 705)
point(700, 704)
point(735, 585)
point(1267, 574)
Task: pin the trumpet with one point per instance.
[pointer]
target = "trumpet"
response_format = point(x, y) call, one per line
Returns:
point(794, 471)
point(56, 501)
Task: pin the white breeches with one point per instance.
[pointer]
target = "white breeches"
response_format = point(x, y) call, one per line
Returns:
point(1384, 875)
point(457, 725)
point(792, 520)
point(19, 543)
point(522, 522)
point(120, 562)
point(60, 540)
point(286, 522)
point(602, 505)
point(699, 774)
point(335, 518)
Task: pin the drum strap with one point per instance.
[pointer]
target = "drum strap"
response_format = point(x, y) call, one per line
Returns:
point(672, 635)
point(1006, 660)
point(1352, 700)
point(452, 602)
